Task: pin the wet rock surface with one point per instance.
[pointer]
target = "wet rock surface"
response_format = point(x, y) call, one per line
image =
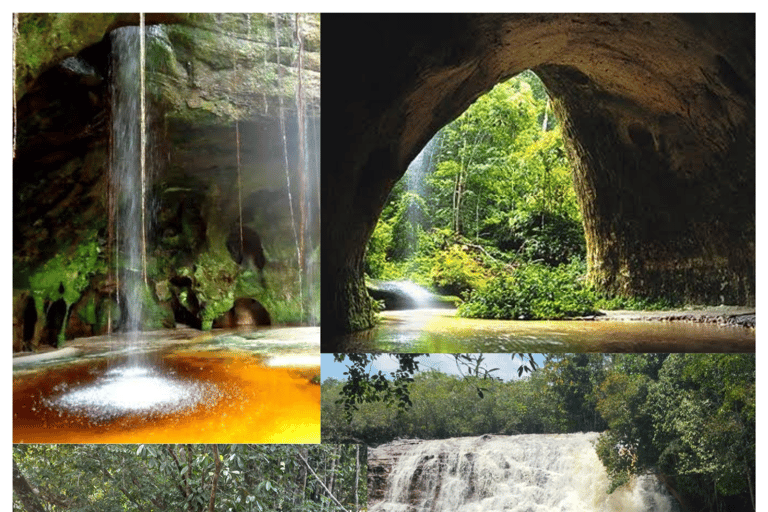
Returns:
point(735, 316)
point(223, 137)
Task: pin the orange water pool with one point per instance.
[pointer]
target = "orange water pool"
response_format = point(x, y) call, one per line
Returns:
point(252, 403)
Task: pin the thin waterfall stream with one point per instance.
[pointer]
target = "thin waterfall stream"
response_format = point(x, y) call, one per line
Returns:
point(174, 190)
point(490, 473)
point(136, 386)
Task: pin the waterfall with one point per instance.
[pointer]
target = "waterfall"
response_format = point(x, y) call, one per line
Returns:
point(533, 473)
point(309, 178)
point(413, 199)
point(128, 171)
point(421, 165)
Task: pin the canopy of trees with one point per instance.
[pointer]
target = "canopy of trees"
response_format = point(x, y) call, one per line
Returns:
point(190, 478)
point(687, 418)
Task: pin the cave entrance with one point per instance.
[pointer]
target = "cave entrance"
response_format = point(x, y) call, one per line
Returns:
point(657, 110)
point(492, 191)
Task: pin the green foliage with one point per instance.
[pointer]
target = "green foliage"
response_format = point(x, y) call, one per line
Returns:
point(690, 417)
point(363, 387)
point(241, 478)
point(572, 379)
point(375, 408)
point(533, 291)
point(444, 406)
point(377, 265)
point(455, 272)
point(406, 225)
point(704, 406)
point(540, 235)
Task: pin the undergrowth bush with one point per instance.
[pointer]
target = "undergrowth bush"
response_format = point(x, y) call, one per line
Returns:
point(455, 272)
point(533, 291)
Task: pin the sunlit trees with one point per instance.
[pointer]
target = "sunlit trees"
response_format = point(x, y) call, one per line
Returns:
point(496, 192)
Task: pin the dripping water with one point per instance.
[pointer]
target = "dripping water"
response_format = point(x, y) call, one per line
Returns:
point(237, 149)
point(285, 155)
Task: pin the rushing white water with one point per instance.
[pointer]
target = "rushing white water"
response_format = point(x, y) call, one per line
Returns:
point(525, 473)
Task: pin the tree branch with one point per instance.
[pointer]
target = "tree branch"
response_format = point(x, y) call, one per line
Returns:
point(321, 483)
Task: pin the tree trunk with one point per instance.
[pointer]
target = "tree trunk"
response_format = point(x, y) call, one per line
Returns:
point(24, 491)
point(215, 480)
point(357, 474)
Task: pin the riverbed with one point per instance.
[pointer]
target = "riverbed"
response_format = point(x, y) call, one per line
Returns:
point(441, 331)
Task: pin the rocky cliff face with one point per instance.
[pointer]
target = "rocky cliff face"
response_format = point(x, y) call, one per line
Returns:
point(659, 118)
point(224, 96)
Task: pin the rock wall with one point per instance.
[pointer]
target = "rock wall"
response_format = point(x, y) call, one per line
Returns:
point(659, 118)
point(223, 92)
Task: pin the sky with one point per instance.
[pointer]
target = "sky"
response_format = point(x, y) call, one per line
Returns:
point(507, 366)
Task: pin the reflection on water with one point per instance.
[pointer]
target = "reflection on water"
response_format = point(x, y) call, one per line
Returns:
point(440, 331)
point(236, 387)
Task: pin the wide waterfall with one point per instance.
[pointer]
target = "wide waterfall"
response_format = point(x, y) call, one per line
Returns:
point(531, 473)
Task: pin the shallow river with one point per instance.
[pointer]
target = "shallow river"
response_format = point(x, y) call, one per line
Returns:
point(224, 387)
point(440, 331)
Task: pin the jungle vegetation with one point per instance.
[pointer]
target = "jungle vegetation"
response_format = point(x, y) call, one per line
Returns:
point(189, 478)
point(489, 213)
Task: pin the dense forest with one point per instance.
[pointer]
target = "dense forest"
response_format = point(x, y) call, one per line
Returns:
point(688, 418)
point(488, 213)
point(190, 478)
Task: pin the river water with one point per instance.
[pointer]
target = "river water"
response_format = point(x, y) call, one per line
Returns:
point(225, 386)
point(440, 331)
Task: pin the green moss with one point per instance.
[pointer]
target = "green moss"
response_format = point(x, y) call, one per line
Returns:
point(214, 272)
point(214, 276)
point(280, 297)
point(88, 312)
point(67, 274)
point(154, 314)
point(46, 38)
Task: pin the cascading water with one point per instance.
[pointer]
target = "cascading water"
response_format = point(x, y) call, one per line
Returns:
point(303, 193)
point(533, 473)
point(407, 294)
point(134, 387)
point(421, 165)
point(128, 172)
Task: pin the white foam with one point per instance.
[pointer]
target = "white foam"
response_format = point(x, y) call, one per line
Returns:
point(134, 390)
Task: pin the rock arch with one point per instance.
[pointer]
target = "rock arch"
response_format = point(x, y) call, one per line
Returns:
point(658, 113)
